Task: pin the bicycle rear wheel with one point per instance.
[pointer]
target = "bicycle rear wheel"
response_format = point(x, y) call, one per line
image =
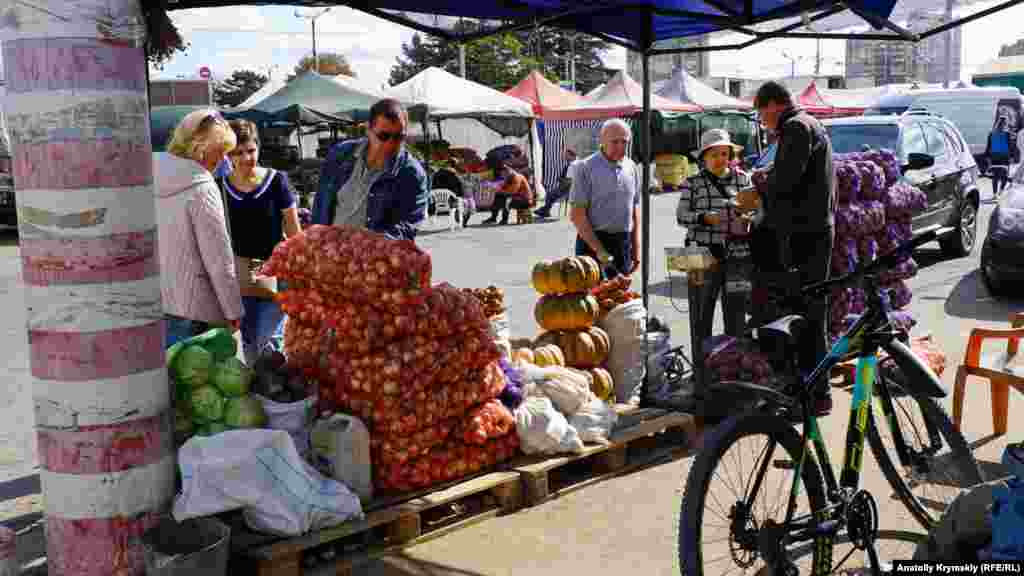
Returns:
point(941, 462)
point(718, 533)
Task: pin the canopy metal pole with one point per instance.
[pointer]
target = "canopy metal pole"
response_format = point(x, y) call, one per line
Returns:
point(645, 134)
point(645, 231)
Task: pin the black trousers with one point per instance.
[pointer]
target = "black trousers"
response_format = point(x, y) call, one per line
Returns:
point(618, 244)
point(810, 253)
point(503, 204)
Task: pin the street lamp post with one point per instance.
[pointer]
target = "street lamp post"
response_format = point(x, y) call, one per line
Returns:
point(312, 19)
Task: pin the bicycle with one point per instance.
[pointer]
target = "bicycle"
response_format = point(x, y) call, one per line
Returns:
point(835, 506)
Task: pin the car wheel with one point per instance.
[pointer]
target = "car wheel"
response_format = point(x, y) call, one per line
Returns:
point(961, 243)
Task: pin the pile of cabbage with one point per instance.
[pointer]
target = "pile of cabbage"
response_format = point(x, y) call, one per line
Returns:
point(873, 217)
point(211, 386)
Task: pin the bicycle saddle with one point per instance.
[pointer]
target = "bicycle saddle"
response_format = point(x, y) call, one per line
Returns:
point(786, 329)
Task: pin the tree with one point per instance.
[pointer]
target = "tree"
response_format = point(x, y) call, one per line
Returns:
point(553, 47)
point(502, 61)
point(234, 90)
point(1015, 49)
point(330, 64)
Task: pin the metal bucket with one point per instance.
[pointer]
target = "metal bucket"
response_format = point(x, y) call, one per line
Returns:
point(196, 547)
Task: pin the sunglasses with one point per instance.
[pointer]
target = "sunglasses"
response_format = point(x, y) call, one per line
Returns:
point(388, 136)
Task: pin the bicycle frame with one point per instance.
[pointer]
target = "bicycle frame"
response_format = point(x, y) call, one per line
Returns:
point(862, 340)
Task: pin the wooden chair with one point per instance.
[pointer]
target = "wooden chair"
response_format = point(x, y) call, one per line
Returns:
point(997, 368)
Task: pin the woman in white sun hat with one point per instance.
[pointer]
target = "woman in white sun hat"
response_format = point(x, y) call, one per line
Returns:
point(708, 209)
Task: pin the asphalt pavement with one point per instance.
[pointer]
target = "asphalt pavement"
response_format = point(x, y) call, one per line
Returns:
point(627, 524)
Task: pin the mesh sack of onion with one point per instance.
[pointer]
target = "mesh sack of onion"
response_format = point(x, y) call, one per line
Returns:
point(355, 265)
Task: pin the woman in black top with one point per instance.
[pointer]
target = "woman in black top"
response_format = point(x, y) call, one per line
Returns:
point(261, 211)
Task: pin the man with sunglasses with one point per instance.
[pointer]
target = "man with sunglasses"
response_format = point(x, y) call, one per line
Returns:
point(374, 182)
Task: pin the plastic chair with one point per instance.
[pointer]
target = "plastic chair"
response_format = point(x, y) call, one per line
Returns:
point(452, 204)
point(996, 368)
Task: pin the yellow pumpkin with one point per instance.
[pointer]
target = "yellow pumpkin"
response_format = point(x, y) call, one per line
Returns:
point(581, 348)
point(601, 384)
point(549, 355)
point(566, 276)
point(566, 312)
point(524, 354)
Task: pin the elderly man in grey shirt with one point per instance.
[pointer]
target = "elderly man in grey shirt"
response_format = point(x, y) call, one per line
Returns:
point(605, 201)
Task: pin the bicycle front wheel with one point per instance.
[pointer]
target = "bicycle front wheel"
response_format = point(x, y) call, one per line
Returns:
point(720, 521)
point(940, 463)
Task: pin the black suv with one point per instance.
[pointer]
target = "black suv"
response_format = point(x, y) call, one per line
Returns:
point(951, 180)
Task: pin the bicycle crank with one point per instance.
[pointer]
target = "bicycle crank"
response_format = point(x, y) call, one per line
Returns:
point(862, 527)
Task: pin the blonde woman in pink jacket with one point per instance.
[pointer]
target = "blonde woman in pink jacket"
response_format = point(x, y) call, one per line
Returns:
point(199, 283)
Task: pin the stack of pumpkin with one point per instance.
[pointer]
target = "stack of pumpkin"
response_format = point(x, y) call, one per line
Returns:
point(567, 312)
point(416, 363)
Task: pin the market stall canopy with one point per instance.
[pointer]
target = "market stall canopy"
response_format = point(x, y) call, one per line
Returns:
point(683, 87)
point(442, 95)
point(327, 95)
point(296, 114)
point(266, 90)
point(543, 94)
point(621, 97)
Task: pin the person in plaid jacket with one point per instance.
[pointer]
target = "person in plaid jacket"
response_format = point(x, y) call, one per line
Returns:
point(706, 209)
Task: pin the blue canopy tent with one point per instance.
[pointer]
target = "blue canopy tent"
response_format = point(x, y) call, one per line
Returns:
point(635, 24)
point(639, 25)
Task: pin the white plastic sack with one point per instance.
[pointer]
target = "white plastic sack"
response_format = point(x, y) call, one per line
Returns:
point(594, 421)
point(295, 418)
point(544, 430)
point(568, 392)
point(626, 325)
point(260, 472)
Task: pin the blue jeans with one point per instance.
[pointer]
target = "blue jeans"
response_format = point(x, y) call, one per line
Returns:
point(262, 327)
point(179, 329)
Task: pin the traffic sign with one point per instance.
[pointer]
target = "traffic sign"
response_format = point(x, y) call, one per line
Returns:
point(205, 73)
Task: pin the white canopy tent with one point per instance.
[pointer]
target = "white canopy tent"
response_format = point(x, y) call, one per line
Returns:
point(683, 87)
point(472, 114)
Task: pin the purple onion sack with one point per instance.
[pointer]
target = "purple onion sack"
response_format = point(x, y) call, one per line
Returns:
point(872, 181)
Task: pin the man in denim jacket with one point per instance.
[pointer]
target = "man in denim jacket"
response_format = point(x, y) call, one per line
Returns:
point(374, 182)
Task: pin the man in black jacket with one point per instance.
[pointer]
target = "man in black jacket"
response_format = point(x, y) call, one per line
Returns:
point(799, 207)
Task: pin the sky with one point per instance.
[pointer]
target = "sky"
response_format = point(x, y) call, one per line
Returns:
point(272, 39)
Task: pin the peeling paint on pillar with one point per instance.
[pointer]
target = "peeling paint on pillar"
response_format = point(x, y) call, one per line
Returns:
point(78, 120)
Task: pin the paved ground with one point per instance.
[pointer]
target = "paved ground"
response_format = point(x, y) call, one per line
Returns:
point(624, 525)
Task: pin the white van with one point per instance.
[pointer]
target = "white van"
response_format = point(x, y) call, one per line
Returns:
point(972, 110)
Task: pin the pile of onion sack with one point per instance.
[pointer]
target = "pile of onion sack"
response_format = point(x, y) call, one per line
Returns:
point(873, 218)
point(415, 362)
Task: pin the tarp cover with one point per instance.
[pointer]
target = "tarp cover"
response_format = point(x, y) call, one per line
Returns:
point(543, 94)
point(620, 97)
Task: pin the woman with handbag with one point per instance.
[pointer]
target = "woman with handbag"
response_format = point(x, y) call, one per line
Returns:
point(262, 211)
point(709, 207)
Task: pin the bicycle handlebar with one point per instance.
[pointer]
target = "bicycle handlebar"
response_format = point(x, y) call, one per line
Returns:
point(820, 289)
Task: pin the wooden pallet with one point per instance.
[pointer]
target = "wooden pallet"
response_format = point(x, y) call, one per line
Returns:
point(388, 525)
point(644, 436)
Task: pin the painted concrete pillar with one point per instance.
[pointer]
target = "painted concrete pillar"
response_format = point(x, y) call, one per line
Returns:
point(79, 124)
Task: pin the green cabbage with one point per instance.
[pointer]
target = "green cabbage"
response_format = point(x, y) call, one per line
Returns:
point(232, 377)
point(244, 412)
point(219, 341)
point(192, 367)
point(211, 428)
point(207, 405)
